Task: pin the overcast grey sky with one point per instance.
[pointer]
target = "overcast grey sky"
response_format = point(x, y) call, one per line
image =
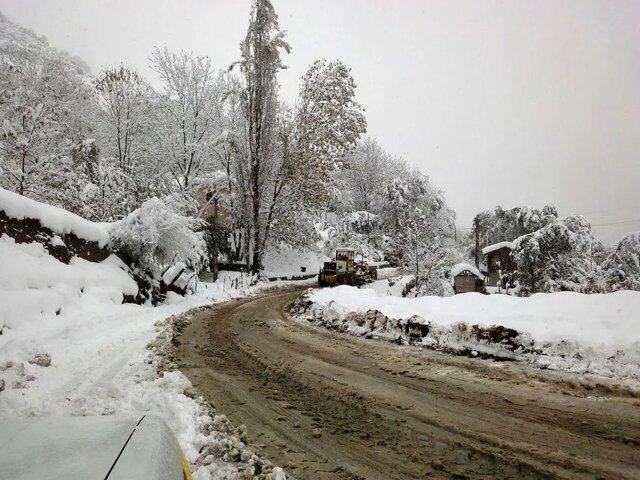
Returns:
point(500, 102)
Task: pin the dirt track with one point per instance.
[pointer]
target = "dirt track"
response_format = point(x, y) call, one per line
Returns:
point(324, 405)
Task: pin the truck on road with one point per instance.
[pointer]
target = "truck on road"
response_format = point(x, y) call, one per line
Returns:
point(344, 270)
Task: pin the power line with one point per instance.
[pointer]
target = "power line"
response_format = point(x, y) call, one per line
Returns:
point(599, 213)
point(633, 220)
point(621, 222)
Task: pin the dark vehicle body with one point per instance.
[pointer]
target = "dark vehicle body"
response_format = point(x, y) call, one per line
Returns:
point(344, 270)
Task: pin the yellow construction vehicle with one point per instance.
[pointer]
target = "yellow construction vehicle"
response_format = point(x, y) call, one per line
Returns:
point(344, 270)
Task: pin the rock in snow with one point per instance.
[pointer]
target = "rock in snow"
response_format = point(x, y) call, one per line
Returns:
point(58, 220)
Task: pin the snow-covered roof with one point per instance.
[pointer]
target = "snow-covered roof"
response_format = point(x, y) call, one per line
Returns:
point(57, 219)
point(497, 246)
point(461, 267)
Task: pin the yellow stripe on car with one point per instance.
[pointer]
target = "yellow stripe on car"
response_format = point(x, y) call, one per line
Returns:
point(185, 467)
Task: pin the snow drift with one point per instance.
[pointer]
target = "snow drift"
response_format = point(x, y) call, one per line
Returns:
point(56, 219)
point(35, 287)
point(565, 331)
point(70, 346)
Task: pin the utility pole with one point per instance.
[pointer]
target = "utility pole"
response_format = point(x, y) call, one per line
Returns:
point(476, 225)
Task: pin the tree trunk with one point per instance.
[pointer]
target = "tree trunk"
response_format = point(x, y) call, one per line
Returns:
point(214, 267)
point(476, 222)
point(256, 265)
point(22, 172)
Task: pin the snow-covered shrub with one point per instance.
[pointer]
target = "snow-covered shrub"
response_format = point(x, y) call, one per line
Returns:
point(622, 267)
point(362, 221)
point(428, 285)
point(434, 277)
point(156, 238)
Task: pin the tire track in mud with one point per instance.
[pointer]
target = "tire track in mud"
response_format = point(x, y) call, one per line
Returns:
point(326, 405)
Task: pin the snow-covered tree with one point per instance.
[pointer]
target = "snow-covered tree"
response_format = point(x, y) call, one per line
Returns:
point(290, 153)
point(108, 196)
point(365, 175)
point(422, 227)
point(579, 269)
point(534, 254)
point(500, 225)
point(127, 171)
point(314, 141)
point(229, 184)
point(259, 64)
point(44, 135)
point(562, 255)
point(189, 114)
point(126, 101)
point(622, 266)
point(327, 124)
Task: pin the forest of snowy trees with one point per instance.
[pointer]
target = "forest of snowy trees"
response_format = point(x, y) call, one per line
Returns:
point(553, 254)
point(105, 146)
point(216, 152)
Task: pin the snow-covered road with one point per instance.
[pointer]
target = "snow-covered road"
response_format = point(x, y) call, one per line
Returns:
point(333, 406)
point(70, 347)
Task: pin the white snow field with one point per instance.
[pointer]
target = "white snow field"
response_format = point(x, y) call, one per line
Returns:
point(70, 347)
point(580, 333)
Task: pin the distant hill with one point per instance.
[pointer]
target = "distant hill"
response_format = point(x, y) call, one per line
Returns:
point(17, 40)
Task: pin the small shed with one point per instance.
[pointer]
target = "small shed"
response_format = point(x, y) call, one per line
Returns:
point(467, 278)
point(499, 261)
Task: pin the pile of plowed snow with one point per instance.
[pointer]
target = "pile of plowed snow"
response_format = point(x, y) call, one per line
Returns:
point(567, 331)
point(35, 287)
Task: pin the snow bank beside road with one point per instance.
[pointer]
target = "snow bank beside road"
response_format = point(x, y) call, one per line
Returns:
point(567, 331)
point(35, 287)
point(591, 320)
point(68, 346)
point(71, 314)
point(57, 219)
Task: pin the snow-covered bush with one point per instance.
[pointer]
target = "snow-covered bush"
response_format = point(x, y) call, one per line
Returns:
point(434, 274)
point(622, 267)
point(535, 254)
point(156, 238)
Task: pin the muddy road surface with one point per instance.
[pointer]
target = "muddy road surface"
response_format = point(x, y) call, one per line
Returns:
point(325, 405)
